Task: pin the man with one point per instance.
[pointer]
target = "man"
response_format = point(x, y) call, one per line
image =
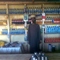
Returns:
point(34, 36)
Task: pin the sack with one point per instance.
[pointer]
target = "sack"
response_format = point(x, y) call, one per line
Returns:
point(25, 48)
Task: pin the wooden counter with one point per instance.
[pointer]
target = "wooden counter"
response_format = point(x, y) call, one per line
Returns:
point(51, 56)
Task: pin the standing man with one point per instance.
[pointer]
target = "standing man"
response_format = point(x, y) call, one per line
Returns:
point(34, 36)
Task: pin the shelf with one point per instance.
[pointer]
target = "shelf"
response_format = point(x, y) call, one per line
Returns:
point(56, 35)
point(46, 22)
point(20, 26)
point(16, 6)
point(3, 14)
point(35, 8)
point(16, 16)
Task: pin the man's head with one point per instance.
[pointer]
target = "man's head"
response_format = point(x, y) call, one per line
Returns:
point(33, 18)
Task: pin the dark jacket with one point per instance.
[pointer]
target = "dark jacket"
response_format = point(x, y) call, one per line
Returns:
point(34, 37)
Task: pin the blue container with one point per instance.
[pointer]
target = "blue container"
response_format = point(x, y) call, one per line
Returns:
point(49, 47)
point(10, 50)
